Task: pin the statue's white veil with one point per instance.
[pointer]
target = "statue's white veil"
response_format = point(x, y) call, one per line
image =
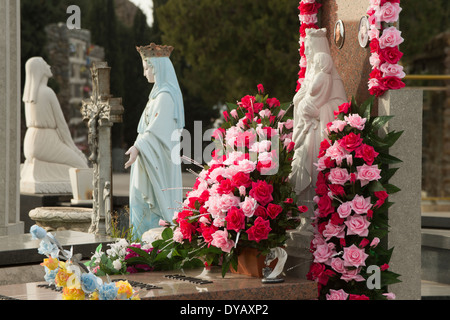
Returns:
point(35, 69)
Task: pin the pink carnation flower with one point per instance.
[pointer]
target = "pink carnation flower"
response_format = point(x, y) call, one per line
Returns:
point(221, 241)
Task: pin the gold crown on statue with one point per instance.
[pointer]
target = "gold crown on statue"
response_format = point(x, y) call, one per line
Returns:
point(154, 50)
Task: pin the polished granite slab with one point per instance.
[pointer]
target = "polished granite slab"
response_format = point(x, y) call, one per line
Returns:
point(21, 249)
point(194, 285)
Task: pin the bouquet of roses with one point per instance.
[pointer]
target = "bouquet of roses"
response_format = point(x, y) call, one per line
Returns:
point(242, 197)
point(351, 205)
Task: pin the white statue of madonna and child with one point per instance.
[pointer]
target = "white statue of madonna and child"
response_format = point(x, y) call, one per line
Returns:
point(321, 93)
point(155, 178)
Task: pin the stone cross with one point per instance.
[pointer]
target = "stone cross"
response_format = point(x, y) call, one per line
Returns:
point(100, 112)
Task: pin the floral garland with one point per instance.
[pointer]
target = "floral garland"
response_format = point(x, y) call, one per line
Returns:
point(242, 198)
point(308, 19)
point(387, 74)
point(351, 205)
point(73, 277)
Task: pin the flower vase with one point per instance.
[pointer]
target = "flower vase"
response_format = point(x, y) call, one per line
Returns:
point(251, 263)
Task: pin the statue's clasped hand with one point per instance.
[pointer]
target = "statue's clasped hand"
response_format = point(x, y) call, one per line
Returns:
point(133, 152)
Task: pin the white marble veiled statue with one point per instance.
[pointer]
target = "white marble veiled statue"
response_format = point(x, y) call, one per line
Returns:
point(48, 146)
point(322, 92)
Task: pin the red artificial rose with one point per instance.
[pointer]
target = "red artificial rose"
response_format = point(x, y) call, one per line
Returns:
point(390, 54)
point(358, 297)
point(351, 141)
point(336, 220)
point(374, 46)
point(343, 108)
point(262, 192)
point(384, 267)
point(337, 189)
point(260, 88)
point(324, 145)
point(382, 196)
point(321, 190)
point(273, 210)
point(364, 242)
point(187, 229)
point(289, 200)
point(376, 74)
point(367, 153)
point(226, 186)
point(309, 8)
point(318, 272)
point(302, 209)
point(259, 231)
point(207, 231)
point(261, 211)
point(242, 179)
point(273, 102)
point(392, 83)
point(377, 90)
point(305, 26)
point(235, 219)
point(247, 101)
point(325, 206)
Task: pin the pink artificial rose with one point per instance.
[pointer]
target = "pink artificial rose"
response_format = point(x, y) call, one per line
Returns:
point(375, 242)
point(323, 253)
point(248, 206)
point(221, 241)
point(262, 192)
point(391, 37)
point(351, 141)
point(308, 18)
point(337, 295)
point(355, 121)
point(336, 152)
point(339, 176)
point(389, 295)
point(392, 70)
point(338, 265)
point(360, 205)
point(246, 166)
point(259, 231)
point(345, 209)
point(163, 223)
point(354, 257)
point(337, 125)
point(357, 225)
point(373, 33)
point(367, 153)
point(234, 113)
point(227, 201)
point(367, 173)
point(389, 12)
point(332, 230)
point(352, 274)
point(235, 219)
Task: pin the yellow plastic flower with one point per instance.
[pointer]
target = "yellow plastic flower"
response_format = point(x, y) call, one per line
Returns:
point(94, 296)
point(50, 263)
point(73, 294)
point(125, 290)
point(62, 276)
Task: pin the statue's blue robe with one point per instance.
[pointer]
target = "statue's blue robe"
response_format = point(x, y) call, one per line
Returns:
point(157, 166)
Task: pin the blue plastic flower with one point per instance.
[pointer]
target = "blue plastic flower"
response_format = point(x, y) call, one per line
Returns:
point(50, 275)
point(37, 232)
point(46, 247)
point(108, 291)
point(89, 282)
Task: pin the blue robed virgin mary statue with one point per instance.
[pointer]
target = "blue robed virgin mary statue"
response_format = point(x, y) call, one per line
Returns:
point(155, 180)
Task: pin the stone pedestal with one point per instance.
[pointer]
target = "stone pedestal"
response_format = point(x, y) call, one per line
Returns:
point(405, 215)
point(10, 93)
